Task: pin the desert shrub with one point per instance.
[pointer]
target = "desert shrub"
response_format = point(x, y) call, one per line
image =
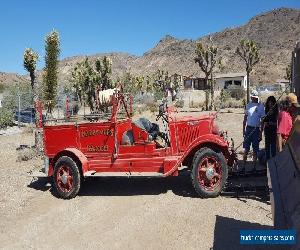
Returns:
point(26, 154)
point(193, 104)
point(158, 94)
point(225, 95)
point(139, 109)
point(29, 129)
point(10, 100)
point(153, 107)
point(231, 103)
point(236, 92)
point(179, 104)
point(6, 117)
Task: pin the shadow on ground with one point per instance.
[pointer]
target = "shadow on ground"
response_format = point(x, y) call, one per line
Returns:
point(237, 187)
point(227, 234)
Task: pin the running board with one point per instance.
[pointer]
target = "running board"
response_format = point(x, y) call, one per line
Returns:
point(122, 174)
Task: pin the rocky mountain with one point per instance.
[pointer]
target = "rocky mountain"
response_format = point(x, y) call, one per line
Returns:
point(276, 33)
point(11, 78)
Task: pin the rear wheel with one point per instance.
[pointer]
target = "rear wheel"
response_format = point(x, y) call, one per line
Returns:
point(66, 178)
point(209, 173)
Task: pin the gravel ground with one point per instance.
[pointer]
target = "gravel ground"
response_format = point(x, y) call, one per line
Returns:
point(120, 213)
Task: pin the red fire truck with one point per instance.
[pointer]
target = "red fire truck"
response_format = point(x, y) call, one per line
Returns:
point(121, 147)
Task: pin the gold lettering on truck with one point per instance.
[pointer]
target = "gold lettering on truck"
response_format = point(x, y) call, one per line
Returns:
point(95, 132)
point(92, 148)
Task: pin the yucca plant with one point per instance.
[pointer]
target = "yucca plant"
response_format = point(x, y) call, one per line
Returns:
point(50, 75)
point(30, 59)
point(207, 58)
point(249, 52)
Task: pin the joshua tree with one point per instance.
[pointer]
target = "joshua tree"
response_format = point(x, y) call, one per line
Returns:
point(103, 68)
point(127, 81)
point(207, 60)
point(84, 80)
point(77, 81)
point(249, 52)
point(29, 61)
point(50, 71)
point(149, 84)
point(139, 83)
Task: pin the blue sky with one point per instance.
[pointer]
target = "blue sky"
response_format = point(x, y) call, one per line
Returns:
point(133, 26)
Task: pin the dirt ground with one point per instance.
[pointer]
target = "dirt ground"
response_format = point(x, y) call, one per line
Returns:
point(121, 213)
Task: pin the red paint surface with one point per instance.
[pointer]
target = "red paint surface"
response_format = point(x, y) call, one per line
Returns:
point(98, 147)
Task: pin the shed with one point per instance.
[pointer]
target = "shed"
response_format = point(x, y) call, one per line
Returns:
point(223, 81)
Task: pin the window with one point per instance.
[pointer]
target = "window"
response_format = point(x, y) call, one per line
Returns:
point(199, 84)
point(237, 83)
point(188, 84)
point(227, 83)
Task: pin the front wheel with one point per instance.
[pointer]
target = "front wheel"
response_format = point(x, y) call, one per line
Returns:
point(66, 178)
point(209, 173)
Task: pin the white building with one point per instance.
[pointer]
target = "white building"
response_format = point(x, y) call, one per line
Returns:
point(223, 81)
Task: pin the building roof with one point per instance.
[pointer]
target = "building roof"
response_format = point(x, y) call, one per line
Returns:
point(229, 75)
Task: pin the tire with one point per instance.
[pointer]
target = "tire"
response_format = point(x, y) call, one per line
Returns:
point(66, 178)
point(209, 173)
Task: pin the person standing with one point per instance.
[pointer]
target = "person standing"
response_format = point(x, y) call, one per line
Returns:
point(252, 127)
point(286, 118)
point(285, 124)
point(293, 106)
point(270, 126)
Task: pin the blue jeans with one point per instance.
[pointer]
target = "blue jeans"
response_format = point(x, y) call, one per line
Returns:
point(252, 135)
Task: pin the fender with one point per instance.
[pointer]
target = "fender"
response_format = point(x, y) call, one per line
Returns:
point(72, 152)
point(205, 139)
point(201, 140)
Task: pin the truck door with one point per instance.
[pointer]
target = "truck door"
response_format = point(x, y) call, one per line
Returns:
point(96, 139)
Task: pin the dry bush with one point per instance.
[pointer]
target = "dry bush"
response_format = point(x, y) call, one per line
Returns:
point(6, 118)
point(153, 107)
point(179, 104)
point(236, 92)
point(141, 108)
point(193, 104)
point(230, 103)
point(29, 129)
point(26, 154)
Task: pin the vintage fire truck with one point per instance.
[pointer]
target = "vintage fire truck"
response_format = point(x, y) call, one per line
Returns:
point(122, 147)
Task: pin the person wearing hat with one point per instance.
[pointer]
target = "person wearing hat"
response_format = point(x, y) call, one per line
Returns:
point(252, 127)
point(294, 107)
point(286, 118)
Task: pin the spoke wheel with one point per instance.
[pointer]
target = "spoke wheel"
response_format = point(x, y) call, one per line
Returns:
point(209, 172)
point(66, 178)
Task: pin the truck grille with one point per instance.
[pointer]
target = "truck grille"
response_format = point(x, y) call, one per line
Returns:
point(187, 135)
